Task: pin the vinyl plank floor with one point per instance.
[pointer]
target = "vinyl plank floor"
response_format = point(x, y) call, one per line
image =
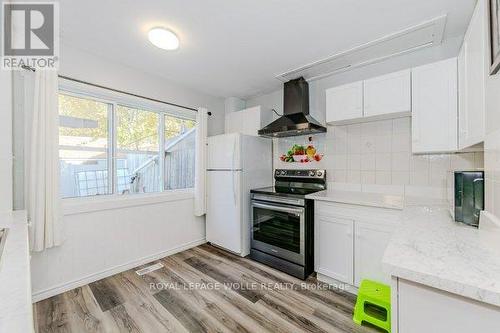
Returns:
point(203, 289)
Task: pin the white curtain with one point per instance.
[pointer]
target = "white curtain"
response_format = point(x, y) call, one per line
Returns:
point(201, 163)
point(42, 168)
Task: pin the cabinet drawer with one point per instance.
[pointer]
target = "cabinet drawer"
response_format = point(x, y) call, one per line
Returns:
point(355, 212)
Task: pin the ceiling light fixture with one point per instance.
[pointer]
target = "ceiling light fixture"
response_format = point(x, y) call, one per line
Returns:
point(163, 38)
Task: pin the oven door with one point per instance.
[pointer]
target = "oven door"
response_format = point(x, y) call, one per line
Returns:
point(279, 230)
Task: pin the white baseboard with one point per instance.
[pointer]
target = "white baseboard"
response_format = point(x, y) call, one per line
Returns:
point(336, 283)
point(61, 288)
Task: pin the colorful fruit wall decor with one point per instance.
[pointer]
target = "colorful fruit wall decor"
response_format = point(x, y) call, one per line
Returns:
point(302, 154)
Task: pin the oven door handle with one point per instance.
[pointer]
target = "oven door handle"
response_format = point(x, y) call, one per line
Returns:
point(279, 208)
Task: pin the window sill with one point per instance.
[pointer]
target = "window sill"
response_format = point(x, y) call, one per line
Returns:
point(72, 206)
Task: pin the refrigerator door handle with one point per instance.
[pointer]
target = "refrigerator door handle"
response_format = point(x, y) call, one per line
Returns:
point(232, 167)
point(234, 188)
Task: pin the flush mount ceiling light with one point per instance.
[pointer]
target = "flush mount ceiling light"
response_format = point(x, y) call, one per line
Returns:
point(163, 38)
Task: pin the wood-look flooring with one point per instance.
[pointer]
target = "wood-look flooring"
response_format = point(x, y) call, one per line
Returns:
point(203, 289)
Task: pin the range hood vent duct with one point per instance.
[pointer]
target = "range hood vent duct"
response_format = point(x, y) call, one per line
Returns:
point(420, 36)
point(296, 119)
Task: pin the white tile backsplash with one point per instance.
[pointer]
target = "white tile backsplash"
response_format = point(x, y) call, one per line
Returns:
point(354, 176)
point(378, 154)
point(354, 162)
point(401, 125)
point(368, 177)
point(368, 161)
point(420, 177)
point(400, 143)
point(383, 144)
point(401, 161)
point(400, 178)
point(383, 162)
point(383, 178)
point(462, 161)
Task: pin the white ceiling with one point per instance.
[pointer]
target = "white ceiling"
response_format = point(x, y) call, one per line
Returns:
point(237, 47)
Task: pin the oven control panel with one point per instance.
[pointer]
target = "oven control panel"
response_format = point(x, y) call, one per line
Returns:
point(315, 173)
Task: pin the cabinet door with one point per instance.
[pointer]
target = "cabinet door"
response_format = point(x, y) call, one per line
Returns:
point(334, 246)
point(371, 239)
point(387, 94)
point(462, 94)
point(231, 123)
point(344, 102)
point(435, 107)
point(473, 69)
point(430, 310)
point(244, 121)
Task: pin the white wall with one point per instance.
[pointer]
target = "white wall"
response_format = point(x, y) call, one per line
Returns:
point(5, 141)
point(233, 104)
point(114, 238)
point(105, 242)
point(84, 66)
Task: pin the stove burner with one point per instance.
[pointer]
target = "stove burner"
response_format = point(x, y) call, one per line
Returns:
point(296, 183)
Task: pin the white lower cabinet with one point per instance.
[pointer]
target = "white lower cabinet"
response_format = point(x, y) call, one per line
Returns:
point(335, 248)
point(369, 246)
point(418, 308)
point(350, 241)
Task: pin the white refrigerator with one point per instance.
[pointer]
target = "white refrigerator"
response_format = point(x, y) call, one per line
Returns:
point(236, 164)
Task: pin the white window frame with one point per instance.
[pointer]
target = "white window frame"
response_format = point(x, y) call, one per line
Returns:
point(74, 205)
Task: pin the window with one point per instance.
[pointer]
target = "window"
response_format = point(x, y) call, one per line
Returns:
point(179, 153)
point(137, 150)
point(108, 147)
point(83, 146)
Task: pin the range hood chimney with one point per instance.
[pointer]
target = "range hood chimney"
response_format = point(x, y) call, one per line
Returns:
point(296, 119)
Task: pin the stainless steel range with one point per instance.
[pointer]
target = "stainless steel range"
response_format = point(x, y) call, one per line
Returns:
point(283, 221)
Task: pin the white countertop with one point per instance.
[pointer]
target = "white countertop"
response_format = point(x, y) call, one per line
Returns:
point(360, 198)
point(16, 313)
point(431, 249)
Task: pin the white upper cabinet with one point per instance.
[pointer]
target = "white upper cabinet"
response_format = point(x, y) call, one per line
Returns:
point(247, 121)
point(434, 107)
point(472, 76)
point(383, 97)
point(387, 94)
point(344, 102)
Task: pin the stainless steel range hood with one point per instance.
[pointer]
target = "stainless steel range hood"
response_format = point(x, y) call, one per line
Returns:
point(296, 119)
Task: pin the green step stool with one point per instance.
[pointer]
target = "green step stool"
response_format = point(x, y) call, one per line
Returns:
point(373, 305)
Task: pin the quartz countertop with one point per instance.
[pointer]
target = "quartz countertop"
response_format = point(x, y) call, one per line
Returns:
point(360, 198)
point(431, 249)
point(16, 314)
